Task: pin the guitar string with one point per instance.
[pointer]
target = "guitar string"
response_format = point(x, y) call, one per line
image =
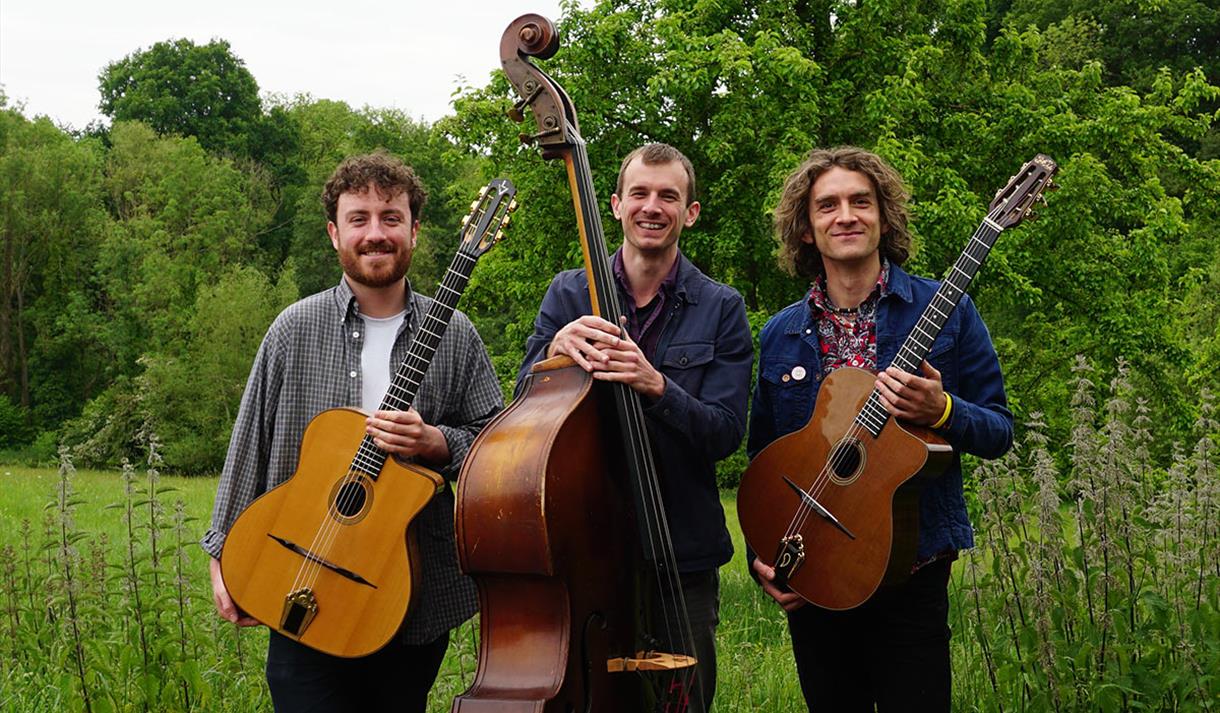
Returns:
point(332, 525)
point(346, 497)
point(841, 448)
point(839, 452)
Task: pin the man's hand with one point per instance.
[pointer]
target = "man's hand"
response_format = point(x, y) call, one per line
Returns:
point(583, 340)
point(405, 434)
point(608, 353)
point(790, 601)
point(912, 398)
point(224, 603)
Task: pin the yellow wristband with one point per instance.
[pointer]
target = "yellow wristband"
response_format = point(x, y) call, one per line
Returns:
point(945, 416)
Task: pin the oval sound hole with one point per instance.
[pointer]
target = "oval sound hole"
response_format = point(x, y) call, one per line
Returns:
point(846, 459)
point(350, 499)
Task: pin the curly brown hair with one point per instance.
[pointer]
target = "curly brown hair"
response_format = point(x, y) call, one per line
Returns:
point(792, 214)
point(653, 154)
point(387, 172)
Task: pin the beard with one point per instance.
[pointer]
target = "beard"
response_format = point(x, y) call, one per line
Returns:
point(382, 275)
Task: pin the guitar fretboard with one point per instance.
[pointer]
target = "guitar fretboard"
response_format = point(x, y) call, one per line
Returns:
point(873, 415)
point(410, 374)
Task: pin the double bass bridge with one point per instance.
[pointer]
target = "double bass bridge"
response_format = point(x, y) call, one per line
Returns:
point(650, 661)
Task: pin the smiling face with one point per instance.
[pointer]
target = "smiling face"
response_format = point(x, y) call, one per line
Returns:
point(653, 206)
point(846, 218)
point(374, 236)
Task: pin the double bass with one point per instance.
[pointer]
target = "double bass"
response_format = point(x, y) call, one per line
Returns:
point(559, 514)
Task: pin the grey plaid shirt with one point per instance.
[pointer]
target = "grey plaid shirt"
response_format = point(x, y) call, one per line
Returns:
point(309, 361)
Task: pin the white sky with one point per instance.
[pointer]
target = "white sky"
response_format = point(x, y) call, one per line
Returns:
point(405, 54)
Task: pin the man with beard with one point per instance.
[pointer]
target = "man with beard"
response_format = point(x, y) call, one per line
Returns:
point(340, 348)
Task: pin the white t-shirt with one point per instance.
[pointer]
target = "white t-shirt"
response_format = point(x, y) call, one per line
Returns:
point(375, 371)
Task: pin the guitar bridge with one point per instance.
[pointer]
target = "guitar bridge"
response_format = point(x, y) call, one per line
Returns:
point(790, 557)
point(300, 607)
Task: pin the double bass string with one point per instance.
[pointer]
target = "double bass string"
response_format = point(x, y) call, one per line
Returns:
point(660, 543)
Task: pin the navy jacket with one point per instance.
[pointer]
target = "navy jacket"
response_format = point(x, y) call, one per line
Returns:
point(704, 353)
point(981, 423)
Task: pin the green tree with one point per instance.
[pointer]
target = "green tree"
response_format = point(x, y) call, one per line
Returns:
point(746, 88)
point(1133, 40)
point(52, 222)
point(178, 87)
point(191, 399)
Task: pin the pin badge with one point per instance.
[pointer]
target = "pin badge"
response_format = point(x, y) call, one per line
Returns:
point(798, 372)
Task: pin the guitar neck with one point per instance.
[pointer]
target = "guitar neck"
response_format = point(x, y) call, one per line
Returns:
point(919, 342)
point(404, 387)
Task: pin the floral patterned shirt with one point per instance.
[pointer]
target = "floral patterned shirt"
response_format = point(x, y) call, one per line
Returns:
point(847, 337)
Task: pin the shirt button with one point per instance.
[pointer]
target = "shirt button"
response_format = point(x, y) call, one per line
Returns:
point(351, 374)
point(682, 361)
point(355, 335)
point(808, 331)
point(786, 378)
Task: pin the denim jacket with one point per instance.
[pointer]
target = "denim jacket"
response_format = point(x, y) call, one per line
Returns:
point(980, 424)
point(704, 353)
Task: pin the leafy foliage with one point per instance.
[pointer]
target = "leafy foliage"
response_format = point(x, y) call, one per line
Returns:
point(178, 87)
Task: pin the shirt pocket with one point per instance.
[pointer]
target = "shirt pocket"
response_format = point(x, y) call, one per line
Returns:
point(791, 397)
point(943, 357)
point(687, 363)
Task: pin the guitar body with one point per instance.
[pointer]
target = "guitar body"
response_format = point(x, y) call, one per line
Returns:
point(367, 536)
point(874, 494)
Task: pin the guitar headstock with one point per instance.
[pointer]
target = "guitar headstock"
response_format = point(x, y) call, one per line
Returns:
point(489, 215)
point(1014, 202)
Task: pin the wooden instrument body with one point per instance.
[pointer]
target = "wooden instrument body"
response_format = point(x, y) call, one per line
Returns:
point(878, 504)
point(353, 618)
point(544, 523)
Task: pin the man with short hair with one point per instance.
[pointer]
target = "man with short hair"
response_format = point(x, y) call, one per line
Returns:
point(686, 349)
point(340, 348)
point(842, 223)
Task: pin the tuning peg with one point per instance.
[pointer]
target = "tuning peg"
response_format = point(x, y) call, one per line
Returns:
point(516, 115)
point(507, 220)
point(465, 220)
point(531, 138)
point(1031, 216)
point(512, 205)
point(1051, 186)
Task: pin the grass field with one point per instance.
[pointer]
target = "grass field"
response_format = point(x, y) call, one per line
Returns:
point(755, 665)
point(105, 603)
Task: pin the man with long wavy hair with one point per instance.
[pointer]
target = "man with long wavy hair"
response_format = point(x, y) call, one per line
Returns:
point(842, 223)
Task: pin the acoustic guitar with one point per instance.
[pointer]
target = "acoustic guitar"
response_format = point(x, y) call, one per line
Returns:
point(327, 557)
point(834, 506)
